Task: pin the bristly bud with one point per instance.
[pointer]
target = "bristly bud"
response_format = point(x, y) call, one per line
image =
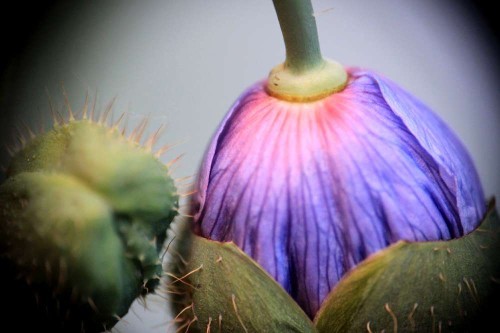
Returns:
point(83, 216)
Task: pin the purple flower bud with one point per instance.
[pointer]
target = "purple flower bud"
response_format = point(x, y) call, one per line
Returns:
point(309, 190)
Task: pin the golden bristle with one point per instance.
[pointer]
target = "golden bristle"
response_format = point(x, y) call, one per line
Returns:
point(138, 131)
point(68, 105)
point(85, 107)
point(105, 115)
point(151, 141)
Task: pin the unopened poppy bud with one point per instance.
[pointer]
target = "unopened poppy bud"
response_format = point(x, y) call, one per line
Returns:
point(83, 216)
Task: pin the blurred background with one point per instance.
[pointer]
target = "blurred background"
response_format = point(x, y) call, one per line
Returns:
point(183, 63)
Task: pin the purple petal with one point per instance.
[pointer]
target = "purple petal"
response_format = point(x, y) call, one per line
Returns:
point(310, 189)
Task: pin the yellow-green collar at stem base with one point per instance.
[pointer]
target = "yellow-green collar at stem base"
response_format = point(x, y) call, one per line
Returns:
point(327, 78)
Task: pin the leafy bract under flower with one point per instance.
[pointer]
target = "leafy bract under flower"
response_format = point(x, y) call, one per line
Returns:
point(311, 189)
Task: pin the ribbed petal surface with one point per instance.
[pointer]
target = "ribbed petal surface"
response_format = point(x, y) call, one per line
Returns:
point(310, 189)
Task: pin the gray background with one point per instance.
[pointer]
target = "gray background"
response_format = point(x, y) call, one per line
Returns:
point(183, 63)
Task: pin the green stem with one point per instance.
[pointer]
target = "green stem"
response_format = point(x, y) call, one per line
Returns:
point(305, 75)
point(298, 26)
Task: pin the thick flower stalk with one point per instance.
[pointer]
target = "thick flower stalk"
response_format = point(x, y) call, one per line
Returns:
point(310, 185)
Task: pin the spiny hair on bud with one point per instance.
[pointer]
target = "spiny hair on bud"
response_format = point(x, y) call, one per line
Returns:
point(25, 133)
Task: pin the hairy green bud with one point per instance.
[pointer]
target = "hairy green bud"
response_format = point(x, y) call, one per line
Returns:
point(83, 217)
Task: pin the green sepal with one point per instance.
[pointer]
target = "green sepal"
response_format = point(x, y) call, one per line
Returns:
point(442, 286)
point(218, 288)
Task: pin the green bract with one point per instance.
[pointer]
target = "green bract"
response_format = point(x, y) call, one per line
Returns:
point(83, 217)
point(216, 287)
point(442, 286)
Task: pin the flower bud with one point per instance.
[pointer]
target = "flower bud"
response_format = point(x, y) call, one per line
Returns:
point(83, 216)
point(310, 189)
